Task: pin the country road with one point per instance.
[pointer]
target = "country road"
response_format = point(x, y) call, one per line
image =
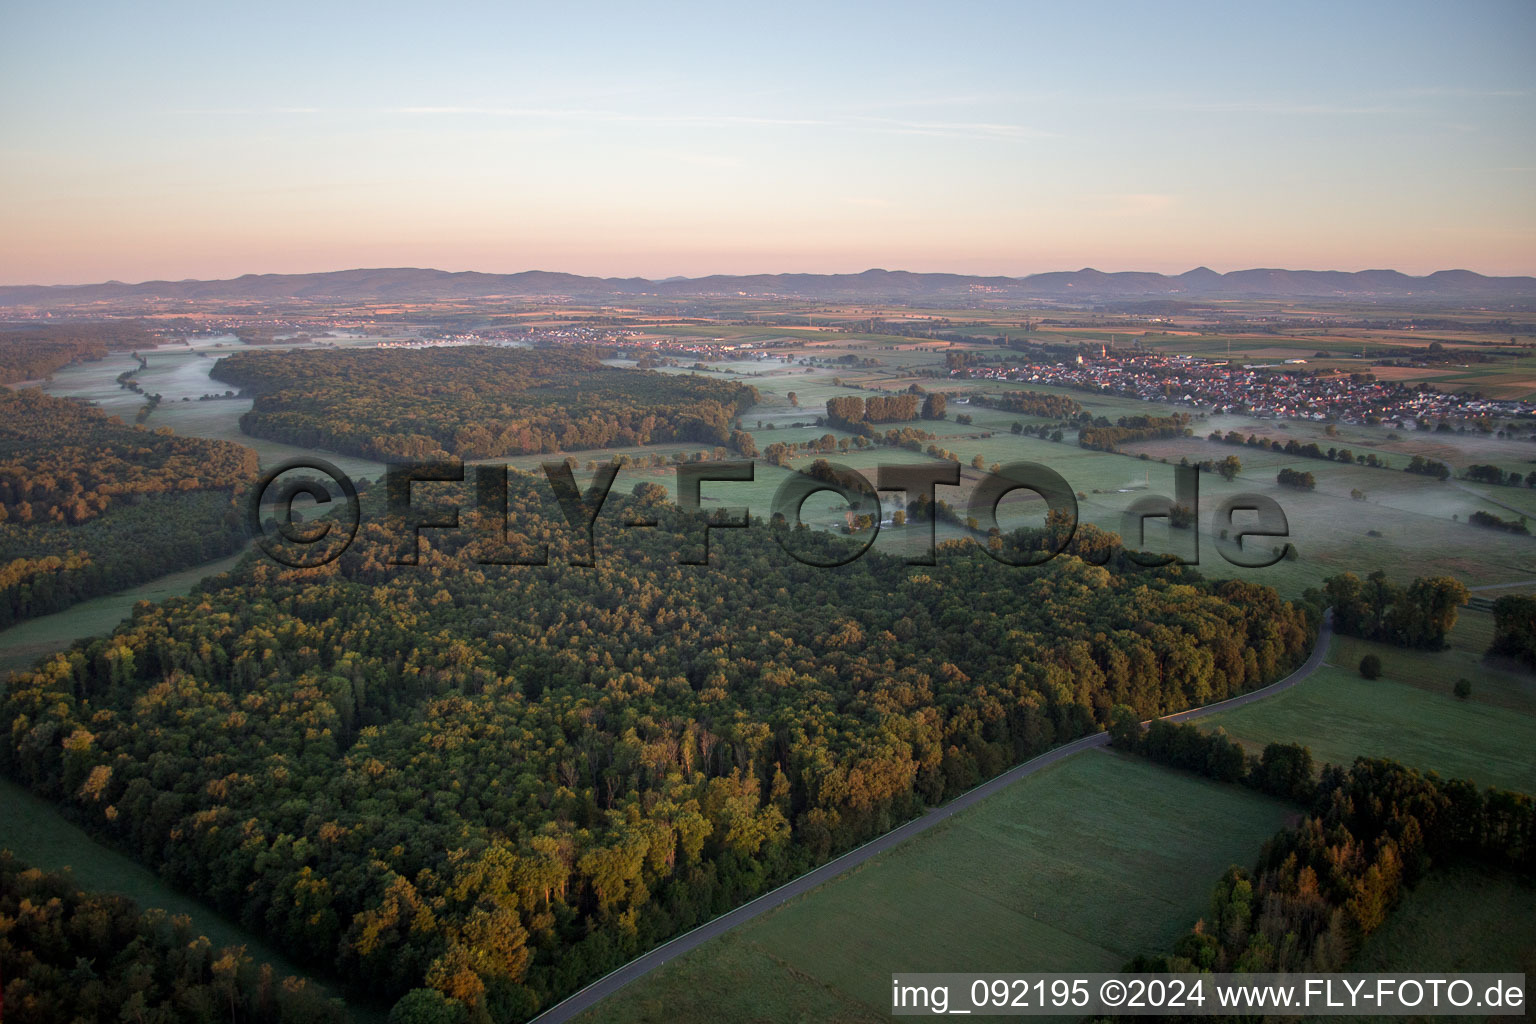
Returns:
point(1501, 586)
point(644, 964)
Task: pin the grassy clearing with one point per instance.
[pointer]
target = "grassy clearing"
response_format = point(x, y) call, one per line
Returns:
point(34, 830)
point(1341, 716)
point(23, 644)
point(1080, 867)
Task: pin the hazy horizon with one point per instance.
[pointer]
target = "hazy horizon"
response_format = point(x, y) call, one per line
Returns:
point(181, 142)
point(747, 273)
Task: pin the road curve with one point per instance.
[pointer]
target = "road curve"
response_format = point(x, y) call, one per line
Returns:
point(610, 983)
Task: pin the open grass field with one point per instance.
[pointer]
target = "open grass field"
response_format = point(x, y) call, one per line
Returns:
point(1080, 867)
point(1465, 917)
point(1501, 683)
point(1409, 715)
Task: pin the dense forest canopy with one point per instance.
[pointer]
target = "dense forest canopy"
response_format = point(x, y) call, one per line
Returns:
point(33, 351)
point(63, 461)
point(71, 955)
point(474, 402)
point(497, 782)
point(89, 506)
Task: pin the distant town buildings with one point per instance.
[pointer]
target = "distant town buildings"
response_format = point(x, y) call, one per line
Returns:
point(1254, 389)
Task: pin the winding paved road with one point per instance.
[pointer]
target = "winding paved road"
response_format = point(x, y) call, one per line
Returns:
point(610, 983)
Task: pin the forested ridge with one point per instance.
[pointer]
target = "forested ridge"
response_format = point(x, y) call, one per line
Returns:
point(89, 506)
point(71, 955)
point(500, 782)
point(474, 402)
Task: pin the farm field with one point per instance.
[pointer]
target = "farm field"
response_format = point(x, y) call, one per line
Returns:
point(1080, 867)
point(1341, 716)
point(1501, 683)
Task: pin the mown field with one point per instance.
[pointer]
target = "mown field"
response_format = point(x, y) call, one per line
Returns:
point(1409, 715)
point(1080, 867)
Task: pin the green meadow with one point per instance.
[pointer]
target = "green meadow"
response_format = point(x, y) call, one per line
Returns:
point(1408, 715)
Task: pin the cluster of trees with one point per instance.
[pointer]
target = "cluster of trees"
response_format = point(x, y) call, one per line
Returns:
point(89, 506)
point(1321, 888)
point(1428, 467)
point(65, 462)
point(474, 402)
point(782, 453)
point(1418, 615)
point(1031, 403)
point(1283, 769)
point(33, 351)
point(496, 782)
point(1514, 628)
point(1493, 522)
point(1487, 474)
point(1045, 431)
point(1296, 478)
point(852, 412)
point(1101, 436)
point(75, 955)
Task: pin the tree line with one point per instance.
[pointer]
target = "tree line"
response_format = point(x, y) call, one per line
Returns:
point(1514, 628)
point(89, 506)
point(854, 412)
point(1295, 449)
point(63, 461)
point(1031, 403)
point(69, 954)
point(1283, 770)
point(1321, 888)
point(1101, 436)
point(34, 351)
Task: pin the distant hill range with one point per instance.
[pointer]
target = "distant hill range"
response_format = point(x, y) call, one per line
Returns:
point(404, 285)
